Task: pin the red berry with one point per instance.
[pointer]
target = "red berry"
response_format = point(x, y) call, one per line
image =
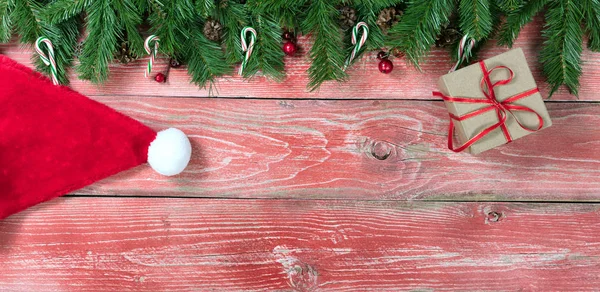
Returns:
point(382, 55)
point(289, 48)
point(160, 78)
point(386, 66)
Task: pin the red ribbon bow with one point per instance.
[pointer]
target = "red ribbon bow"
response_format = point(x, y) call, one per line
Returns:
point(502, 108)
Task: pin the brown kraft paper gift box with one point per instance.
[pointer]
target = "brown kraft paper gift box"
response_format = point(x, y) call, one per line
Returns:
point(466, 83)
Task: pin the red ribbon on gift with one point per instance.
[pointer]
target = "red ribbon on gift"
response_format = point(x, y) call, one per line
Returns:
point(502, 108)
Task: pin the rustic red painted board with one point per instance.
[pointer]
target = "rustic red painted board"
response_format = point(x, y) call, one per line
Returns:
point(364, 82)
point(123, 244)
point(357, 150)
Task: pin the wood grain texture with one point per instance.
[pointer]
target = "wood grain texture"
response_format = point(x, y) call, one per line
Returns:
point(128, 244)
point(365, 80)
point(393, 150)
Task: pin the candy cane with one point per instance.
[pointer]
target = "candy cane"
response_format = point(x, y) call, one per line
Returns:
point(152, 53)
point(247, 47)
point(464, 51)
point(49, 59)
point(357, 46)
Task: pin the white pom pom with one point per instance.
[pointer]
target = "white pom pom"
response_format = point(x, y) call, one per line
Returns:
point(170, 152)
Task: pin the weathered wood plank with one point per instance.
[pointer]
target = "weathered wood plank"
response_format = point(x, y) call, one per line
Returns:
point(128, 244)
point(365, 80)
point(357, 150)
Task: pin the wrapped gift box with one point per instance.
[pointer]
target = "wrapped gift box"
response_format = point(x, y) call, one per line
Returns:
point(464, 93)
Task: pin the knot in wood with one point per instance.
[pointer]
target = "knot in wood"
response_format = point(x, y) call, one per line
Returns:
point(303, 277)
point(494, 216)
point(381, 150)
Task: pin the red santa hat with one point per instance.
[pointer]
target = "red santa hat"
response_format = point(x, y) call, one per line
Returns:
point(54, 140)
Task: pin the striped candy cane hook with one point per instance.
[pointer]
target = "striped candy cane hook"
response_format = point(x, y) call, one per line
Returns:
point(464, 51)
point(152, 52)
point(357, 45)
point(247, 47)
point(49, 59)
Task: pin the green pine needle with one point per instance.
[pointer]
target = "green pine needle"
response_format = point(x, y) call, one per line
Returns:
point(6, 6)
point(101, 42)
point(591, 9)
point(130, 19)
point(62, 10)
point(422, 23)
point(508, 6)
point(207, 63)
point(64, 39)
point(267, 55)
point(476, 18)
point(561, 54)
point(517, 19)
point(233, 18)
point(327, 53)
point(170, 20)
point(25, 21)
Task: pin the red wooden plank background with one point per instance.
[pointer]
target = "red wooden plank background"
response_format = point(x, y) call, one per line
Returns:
point(99, 244)
point(348, 188)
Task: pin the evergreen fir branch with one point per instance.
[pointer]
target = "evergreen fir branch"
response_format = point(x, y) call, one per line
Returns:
point(561, 54)
point(6, 7)
point(288, 12)
point(100, 45)
point(517, 19)
point(267, 55)
point(205, 59)
point(233, 18)
point(476, 18)
point(419, 28)
point(130, 19)
point(61, 10)
point(591, 10)
point(25, 22)
point(206, 7)
point(64, 39)
point(170, 20)
point(327, 53)
point(368, 11)
point(508, 6)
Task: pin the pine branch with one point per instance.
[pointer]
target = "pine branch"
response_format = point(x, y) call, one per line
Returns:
point(288, 12)
point(517, 19)
point(130, 19)
point(419, 28)
point(267, 55)
point(206, 7)
point(591, 9)
point(233, 18)
point(205, 59)
point(6, 25)
point(368, 11)
point(561, 54)
point(327, 53)
point(170, 20)
point(64, 39)
point(25, 22)
point(508, 6)
point(100, 44)
point(61, 10)
point(476, 18)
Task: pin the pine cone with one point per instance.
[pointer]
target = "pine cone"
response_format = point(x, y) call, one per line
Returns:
point(447, 37)
point(124, 54)
point(388, 17)
point(347, 17)
point(213, 30)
